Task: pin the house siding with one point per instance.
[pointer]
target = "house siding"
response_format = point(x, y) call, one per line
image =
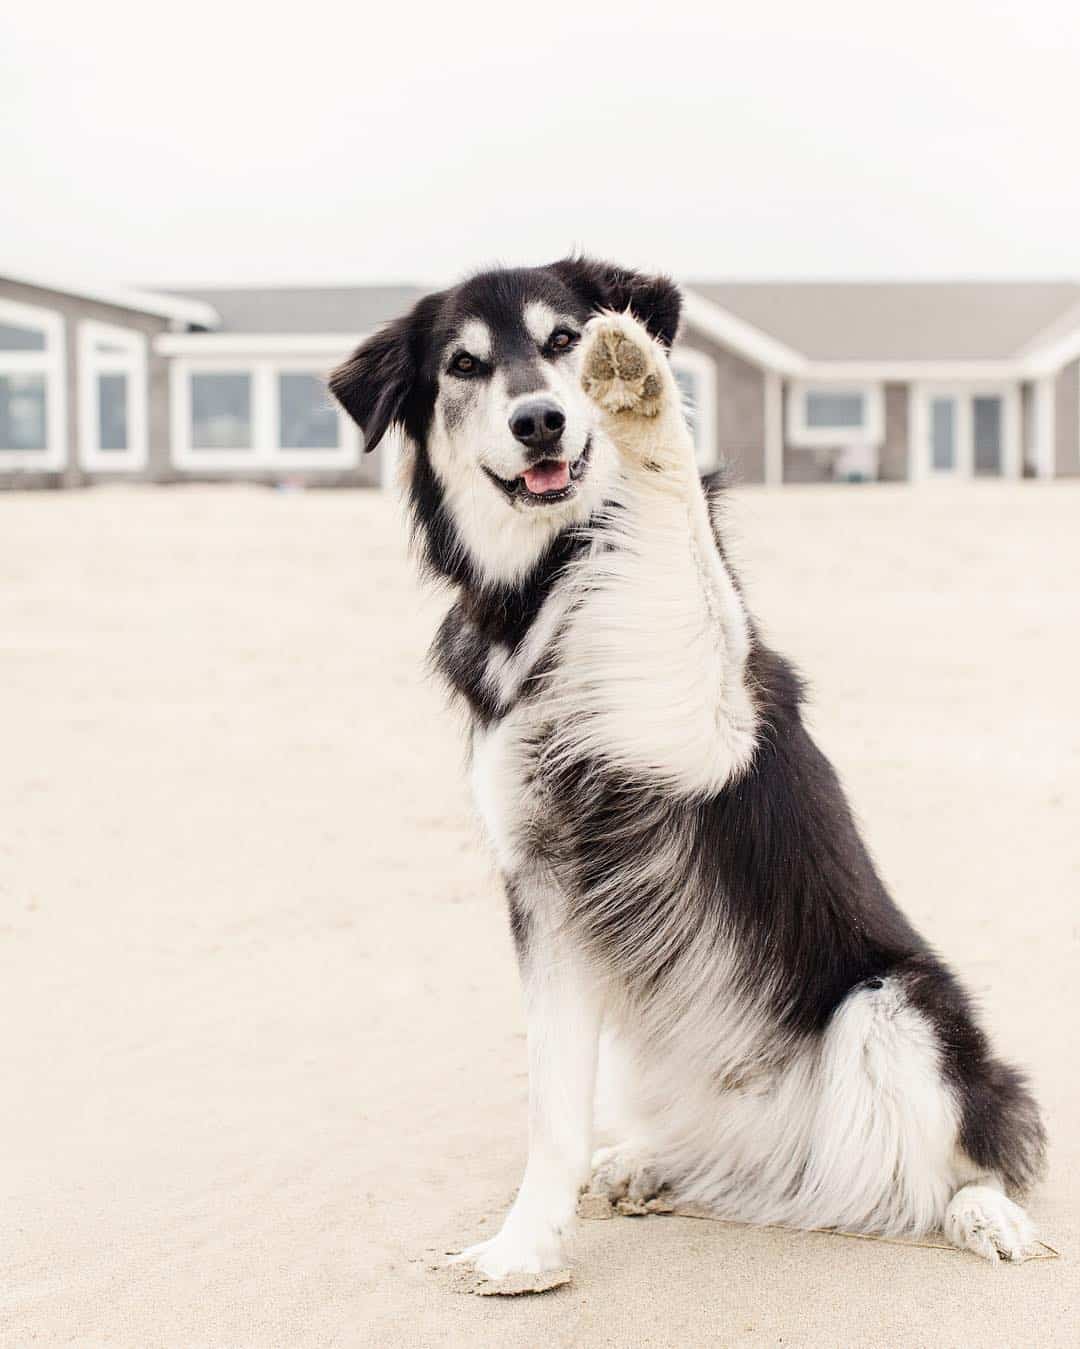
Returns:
point(894, 460)
point(802, 464)
point(1067, 422)
point(75, 309)
point(740, 408)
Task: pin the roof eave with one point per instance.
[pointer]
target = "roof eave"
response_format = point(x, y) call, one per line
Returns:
point(174, 307)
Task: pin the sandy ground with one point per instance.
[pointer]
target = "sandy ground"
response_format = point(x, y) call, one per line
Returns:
point(262, 1045)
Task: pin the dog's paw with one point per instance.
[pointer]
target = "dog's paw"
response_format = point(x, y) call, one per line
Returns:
point(621, 366)
point(515, 1252)
point(983, 1220)
point(626, 1176)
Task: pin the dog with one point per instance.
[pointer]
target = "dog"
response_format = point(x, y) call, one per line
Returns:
point(696, 918)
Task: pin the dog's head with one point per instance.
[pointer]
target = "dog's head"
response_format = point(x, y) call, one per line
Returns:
point(506, 450)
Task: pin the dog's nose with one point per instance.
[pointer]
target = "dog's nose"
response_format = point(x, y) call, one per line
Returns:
point(538, 423)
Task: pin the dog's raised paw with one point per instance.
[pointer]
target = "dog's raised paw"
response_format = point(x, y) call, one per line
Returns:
point(620, 366)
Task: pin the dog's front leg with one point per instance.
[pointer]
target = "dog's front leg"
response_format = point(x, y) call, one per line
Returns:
point(652, 672)
point(563, 1009)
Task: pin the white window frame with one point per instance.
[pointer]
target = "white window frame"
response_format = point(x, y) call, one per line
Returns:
point(264, 454)
point(131, 362)
point(703, 369)
point(804, 437)
point(920, 452)
point(51, 364)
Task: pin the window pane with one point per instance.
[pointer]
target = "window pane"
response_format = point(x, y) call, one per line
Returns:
point(834, 409)
point(22, 412)
point(987, 417)
point(308, 420)
point(112, 412)
point(688, 387)
point(13, 338)
point(943, 433)
point(221, 412)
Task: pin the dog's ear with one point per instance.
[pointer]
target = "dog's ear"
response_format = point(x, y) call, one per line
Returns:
point(374, 385)
point(655, 300)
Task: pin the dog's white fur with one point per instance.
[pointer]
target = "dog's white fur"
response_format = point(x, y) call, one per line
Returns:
point(855, 1129)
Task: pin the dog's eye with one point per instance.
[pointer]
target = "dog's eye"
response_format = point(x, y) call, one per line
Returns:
point(562, 339)
point(464, 364)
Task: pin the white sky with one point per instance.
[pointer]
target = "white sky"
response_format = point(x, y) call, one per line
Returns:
point(236, 142)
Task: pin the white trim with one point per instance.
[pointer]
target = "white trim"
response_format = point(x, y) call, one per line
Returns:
point(702, 369)
point(919, 428)
point(802, 436)
point(131, 363)
point(902, 372)
point(774, 429)
point(264, 454)
point(724, 327)
point(1044, 443)
point(50, 364)
point(335, 346)
point(141, 301)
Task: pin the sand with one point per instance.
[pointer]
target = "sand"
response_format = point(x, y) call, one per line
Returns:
point(262, 1049)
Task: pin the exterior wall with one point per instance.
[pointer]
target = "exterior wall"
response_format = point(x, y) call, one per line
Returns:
point(802, 464)
point(740, 408)
point(806, 465)
point(72, 310)
point(1028, 429)
point(894, 459)
point(1067, 422)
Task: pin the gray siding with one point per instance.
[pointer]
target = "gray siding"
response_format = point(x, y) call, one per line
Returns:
point(1067, 422)
point(74, 309)
point(894, 461)
point(818, 465)
point(740, 408)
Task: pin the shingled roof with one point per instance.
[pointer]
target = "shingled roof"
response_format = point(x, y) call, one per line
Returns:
point(901, 320)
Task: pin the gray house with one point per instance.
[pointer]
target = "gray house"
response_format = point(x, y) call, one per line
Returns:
point(788, 382)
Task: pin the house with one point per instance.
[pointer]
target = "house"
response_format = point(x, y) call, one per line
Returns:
point(788, 381)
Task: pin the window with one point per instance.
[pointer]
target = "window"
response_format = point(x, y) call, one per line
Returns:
point(695, 374)
point(258, 413)
point(307, 419)
point(826, 416)
point(112, 398)
point(987, 430)
point(221, 411)
point(835, 409)
point(33, 427)
point(943, 434)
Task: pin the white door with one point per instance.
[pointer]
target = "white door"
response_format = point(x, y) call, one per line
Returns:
point(966, 432)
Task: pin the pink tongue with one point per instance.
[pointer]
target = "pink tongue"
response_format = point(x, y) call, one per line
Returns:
point(548, 476)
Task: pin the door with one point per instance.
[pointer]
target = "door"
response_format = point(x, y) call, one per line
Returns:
point(965, 433)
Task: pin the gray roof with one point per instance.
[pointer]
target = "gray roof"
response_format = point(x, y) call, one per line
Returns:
point(901, 320)
point(305, 309)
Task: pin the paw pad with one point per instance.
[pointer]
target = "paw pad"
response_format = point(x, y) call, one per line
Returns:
point(619, 368)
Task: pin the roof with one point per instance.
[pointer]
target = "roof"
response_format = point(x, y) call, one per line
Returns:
point(182, 309)
point(901, 320)
point(305, 309)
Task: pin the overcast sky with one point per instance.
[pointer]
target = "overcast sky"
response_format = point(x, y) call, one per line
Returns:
point(233, 142)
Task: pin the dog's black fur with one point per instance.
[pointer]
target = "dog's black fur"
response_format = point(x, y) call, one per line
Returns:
point(775, 853)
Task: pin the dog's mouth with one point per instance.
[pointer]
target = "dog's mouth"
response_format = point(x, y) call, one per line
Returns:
point(547, 482)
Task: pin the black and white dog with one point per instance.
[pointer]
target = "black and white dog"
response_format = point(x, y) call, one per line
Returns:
point(696, 917)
